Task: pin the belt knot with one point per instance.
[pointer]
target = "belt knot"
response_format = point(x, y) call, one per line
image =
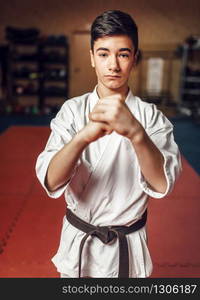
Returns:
point(104, 233)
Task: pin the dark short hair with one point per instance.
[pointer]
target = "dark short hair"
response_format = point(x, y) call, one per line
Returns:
point(114, 22)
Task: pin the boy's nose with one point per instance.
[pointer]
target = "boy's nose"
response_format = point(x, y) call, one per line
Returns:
point(113, 64)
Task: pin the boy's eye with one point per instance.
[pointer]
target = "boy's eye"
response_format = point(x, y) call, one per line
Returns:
point(124, 55)
point(103, 54)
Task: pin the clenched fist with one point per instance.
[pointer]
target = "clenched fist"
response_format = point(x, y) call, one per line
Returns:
point(114, 112)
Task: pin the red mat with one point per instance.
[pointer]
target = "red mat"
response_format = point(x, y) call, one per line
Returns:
point(174, 228)
point(31, 221)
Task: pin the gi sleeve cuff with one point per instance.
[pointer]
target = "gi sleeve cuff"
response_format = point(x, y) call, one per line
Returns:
point(149, 191)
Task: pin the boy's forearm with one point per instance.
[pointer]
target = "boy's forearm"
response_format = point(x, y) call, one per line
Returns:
point(151, 161)
point(62, 164)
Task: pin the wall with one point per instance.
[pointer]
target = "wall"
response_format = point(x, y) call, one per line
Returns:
point(162, 24)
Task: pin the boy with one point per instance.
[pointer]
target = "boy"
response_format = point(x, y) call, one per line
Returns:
point(107, 152)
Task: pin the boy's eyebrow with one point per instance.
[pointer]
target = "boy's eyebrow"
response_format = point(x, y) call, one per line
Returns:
point(101, 48)
point(106, 49)
point(125, 49)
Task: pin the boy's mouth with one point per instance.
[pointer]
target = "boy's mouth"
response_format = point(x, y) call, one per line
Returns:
point(113, 76)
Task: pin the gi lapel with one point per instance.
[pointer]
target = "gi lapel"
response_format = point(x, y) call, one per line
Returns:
point(104, 163)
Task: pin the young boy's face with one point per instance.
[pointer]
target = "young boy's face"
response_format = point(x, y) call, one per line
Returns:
point(113, 59)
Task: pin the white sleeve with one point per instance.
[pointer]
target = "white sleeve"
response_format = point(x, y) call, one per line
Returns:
point(62, 131)
point(160, 130)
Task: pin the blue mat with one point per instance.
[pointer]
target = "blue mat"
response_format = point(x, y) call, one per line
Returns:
point(187, 136)
point(24, 120)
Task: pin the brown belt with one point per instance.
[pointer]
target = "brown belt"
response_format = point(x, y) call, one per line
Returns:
point(106, 234)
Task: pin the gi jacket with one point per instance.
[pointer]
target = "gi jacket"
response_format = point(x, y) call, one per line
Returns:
point(107, 186)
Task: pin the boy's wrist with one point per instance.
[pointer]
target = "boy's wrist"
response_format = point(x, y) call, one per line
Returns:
point(81, 140)
point(137, 134)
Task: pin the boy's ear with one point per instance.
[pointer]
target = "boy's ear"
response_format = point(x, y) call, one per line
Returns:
point(92, 58)
point(138, 57)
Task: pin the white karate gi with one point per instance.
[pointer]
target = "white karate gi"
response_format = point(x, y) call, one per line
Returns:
point(107, 187)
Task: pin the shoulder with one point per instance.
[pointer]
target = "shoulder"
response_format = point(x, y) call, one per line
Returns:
point(150, 115)
point(137, 104)
point(70, 111)
point(75, 104)
point(146, 106)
